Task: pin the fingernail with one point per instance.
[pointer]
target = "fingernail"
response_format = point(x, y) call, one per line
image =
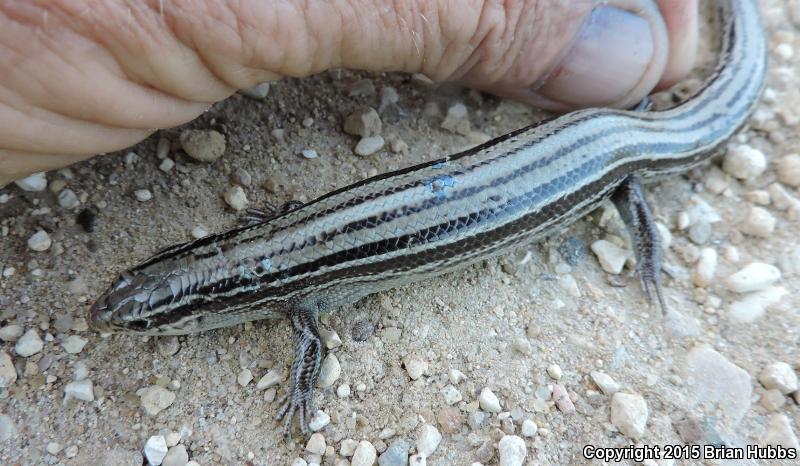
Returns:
point(608, 58)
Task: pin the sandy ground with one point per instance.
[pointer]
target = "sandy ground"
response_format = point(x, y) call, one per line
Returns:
point(502, 323)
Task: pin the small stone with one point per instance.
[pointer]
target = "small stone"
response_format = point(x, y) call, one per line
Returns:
point(176, 456)
point(744, 162)
point(244, 377)
point(396, 454)
point(39, 241)
point(343, 390)
point(704, 270)
point(398, 146)
point(555, 372)
point(450, 419)
point(7, 428)
point(755, 276)
point(68, 199)
point(788, 170)
point(299, 462)
point(781, 199)
point(78, 287)
point(71, 451)
point(10, 332)
point(316, 444)
point(155, 450)
point(143, 195)
point(457, 120)
point(612, 258)
point(362, 88)
point(8, 373)
point(418, 460)
point(29, 344)
point(364, 122)
point(242, 177)
point(759, 197)
point(716, 180)
point(629, 414)
point(155, 398)
point(203, 145)
point(759, 222)
point(131, 158)
point(173, 438)
point(166, 165)
point(529, 428)
point(330, 338)
point(700, 232)
point(522, 346)
point(512, 450)
point(319, 421)
point(162, 148)
point(348, 447)
point(369, 145)
point(34, 182)
point(257, 92)
point(605, 383)
point(74, 344)
point(389, 97)
point(562, 399)
point(80, 390)
point(779, 432)
point(779, 376)
point(364, 454)
point(773, 400)
point(309, 154)
point(329, 371)
point(53, 448)
point(455, 376)
point(451, 395)
point(236, 198)
point(428, 439)
point(269, 379)
point(199, 232)
point(488, 401)
point(714, 382)
point(167, 345)
point(415, 366)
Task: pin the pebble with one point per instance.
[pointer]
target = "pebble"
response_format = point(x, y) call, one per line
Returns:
point(418, 460)
point(612, 258)
point(166, 165)
point(8, 373)
point(34, 182)
point(389, 97)
point(68, 199)
point(74, 344)
point(155, 450)
point(451, 395)
point(780, 376)
point(343, 390)
point(716, 180)
point(753, 306)
point(329, 371)
point(529, 428)
point(457, 120)
point(53, 448)
point(71, 451)
point(309, 154)
point(781, 199)
point(605, 383)
point(364, 454)
point(39, 241)
point(78, 287)
point(759, 222)
point(29, 344)
point(242, 177)
point(415, 366)
point(396, 454)
point(369, 145)
point(143, 195)
point(428, 439)
point(162, 148)
point(203, 145)
point(485, 452)
point(488, 401)
point(512, 450)
point(455, 376)
point(364, 122)
point(700, 232)
point(779, 432)
point(199, 232)
point(755, 276)
point(330, 338)
point(299, 462)
point(319, 421)
point(555, 372)
point(562, 399)
point(236, 198)
point(173, 438)
point(244, 377)
point(269, 379)
point(773, 400)
point(788, 170)
point(316, 444)
point(713, 381)
point(10, 332)
point(7, 428)
point(348, 447)
point(744, 162)
point(80, 390)
point(699, 210)
point(450, 419)
point(706, 266)
point(176, 456)
point(257, 92)
point(167, 345)
point(629, 414)
point(155, 398)
point(758, 196)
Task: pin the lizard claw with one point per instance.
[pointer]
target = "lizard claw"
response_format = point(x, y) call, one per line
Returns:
point(295, 402)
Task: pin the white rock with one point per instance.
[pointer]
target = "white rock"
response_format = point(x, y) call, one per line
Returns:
point(199, 232)
point(529, 428)
point(773, 400)
point(699, 210)
point(629, 414)
point(176, 456)
point(10, 332)
point(155, 398)
point(74, 344)
point(299, 462)
point(788, 170)
point(759, 222)
point(488, 401)
point(71, 451)
point(555, 372)
point(257, 92)
point(716, 180)
point(715, 383)
point(779, 432)
point(705, 268)
point(143, 195)
point(166, 165)
point(512, 450)
point(364, 454)
point(343, 390)
point(80, 390)
point(348, 447)
point(68, 200)
point(39, 241)
point(330, 338)
point(309, 154)
point(364, 122)
point(415, 366)
point(173, 438)
point(755, 276)
point(8, 373)
point(744, 162)
point(428, 439)
point(7, 428)
point(236, 198)
point(155, 450)
point(455, 376)
point(781, 198)
point(369, 145)
point(316, 444)
point(34, 182)
point(269, 379)
point(612, 258)
point(754, 305)
point(329, 371)
point(451, 394)
point(319, 421)
point(780, 376)
point(203, 145)
point(605, 383)
point(244, 377)
point(417, 460)
point(29, 344)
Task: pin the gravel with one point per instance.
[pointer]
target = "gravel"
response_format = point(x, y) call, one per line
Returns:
point(8, 373)
point(236, 198)
point(755, 276)
point(629, 414)
point(744, 162)
point(35, 182)
point(203, 145)
point(713, 382)
point(29, 344)
point(364, 122)
point(780, 376)
point(512, 450)
point(80, 390)
point(40, 241)
point(155, 450)
point(155, 399)
point(428, 439)
point(488, 401)
point(364, 454)
point(369, 145)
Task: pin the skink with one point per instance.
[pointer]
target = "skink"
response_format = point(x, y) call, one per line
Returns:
point(436, 217)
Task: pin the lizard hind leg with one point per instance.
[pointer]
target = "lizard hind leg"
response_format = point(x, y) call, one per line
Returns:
point(305, 372)
point(635, 212)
